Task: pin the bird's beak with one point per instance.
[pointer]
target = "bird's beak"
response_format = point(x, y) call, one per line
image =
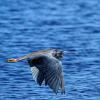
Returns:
point(65, 52)
point(12, 60)
point(69, 52)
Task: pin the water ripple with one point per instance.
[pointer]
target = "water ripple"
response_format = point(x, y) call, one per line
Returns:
point(31, 25)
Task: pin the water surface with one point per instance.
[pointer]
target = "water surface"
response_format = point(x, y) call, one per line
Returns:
point(29, 25)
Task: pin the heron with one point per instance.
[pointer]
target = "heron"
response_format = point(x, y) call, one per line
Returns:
point(46, 67)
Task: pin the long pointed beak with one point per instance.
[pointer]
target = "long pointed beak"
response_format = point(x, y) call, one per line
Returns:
point(69, 52)
point(65, 52)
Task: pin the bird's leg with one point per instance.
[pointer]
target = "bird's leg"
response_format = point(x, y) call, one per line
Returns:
point(12, 60)
point(20, 58)
point(38, 53)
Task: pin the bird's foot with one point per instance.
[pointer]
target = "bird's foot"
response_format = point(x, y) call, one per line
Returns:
point(12, 60)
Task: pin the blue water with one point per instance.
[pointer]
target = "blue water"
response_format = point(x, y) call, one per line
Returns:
point(30, 25)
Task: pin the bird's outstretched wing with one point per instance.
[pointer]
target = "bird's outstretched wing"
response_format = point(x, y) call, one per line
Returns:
point(49, 70)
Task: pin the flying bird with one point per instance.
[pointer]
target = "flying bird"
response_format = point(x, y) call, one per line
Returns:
point(46, 68)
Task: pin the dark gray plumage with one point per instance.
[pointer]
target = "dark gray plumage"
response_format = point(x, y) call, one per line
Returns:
point(46, 67)
point(49, 70)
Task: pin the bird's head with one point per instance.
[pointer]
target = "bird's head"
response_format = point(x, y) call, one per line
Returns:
point(57, 53)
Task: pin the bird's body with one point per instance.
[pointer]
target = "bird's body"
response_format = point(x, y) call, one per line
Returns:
point(46, 67)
